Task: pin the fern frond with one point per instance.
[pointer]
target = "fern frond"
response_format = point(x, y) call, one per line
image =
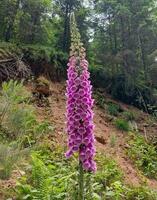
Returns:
point(41, 180)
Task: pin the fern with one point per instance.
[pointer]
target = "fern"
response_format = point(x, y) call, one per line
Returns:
point(48, 181)
point(41, 180)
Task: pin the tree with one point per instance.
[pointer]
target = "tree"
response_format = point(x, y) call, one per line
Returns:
point(8, 10)
point(31, 18)
point(124, 37)
point(63, 9)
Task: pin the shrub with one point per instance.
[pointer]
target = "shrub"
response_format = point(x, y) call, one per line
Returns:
point(113, 109)
point(122, 124)
point(56, 178)
point(129, 116)
point(42, 81)
point(10, 155)
point(120, 191)
point(18, 119)
point(100, 100)
point(12, 93)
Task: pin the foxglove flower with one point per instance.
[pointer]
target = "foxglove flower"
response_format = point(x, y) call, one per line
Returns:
point(79, 104)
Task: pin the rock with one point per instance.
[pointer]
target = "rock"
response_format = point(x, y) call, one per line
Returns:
point(42, 87)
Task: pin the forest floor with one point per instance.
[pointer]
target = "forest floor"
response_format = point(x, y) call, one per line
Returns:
point(55, 113)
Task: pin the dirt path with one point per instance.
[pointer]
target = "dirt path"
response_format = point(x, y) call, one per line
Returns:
point(103, 132)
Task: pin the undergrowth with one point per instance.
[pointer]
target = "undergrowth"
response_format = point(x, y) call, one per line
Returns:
point(17, 115)
point(143, 154)
point(19, 128)
point(122, 125)
point(113, 109)
point(52, 177)
point(129, 116)
point(10, 156)
point(49, 175)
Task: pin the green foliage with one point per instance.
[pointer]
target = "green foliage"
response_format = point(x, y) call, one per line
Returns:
point(54, 177)
point(18, 119)
point(41, 180)
point(143, 154)
point(122, 53)
point(49, 178)
point(141, 193)
point(9, 49)
point(30, 21)
point(10, 156)
point(113, 109)
point(14, 92)
point(129, 116)
point(108, 171)
point(119, 191)
point(100, 100)
point(124, 64)
point(122, 125)
point(38, 53)
point(113, 139)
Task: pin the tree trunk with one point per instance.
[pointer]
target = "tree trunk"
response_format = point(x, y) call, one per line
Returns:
point(143, 56)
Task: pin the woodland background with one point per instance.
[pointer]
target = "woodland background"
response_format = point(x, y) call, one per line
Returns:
point(120, 37)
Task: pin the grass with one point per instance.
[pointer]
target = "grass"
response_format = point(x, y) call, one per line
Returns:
point(113, 140)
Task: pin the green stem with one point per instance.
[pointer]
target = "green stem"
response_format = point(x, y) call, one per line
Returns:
point(81, 182)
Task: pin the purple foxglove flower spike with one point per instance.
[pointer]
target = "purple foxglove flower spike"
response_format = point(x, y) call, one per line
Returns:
point(79, 104)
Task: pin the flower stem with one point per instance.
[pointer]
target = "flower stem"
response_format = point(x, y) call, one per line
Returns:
point(81, 182)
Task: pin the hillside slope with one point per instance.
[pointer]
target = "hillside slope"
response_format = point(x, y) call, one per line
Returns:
point(103, 132)
point(110, 141)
